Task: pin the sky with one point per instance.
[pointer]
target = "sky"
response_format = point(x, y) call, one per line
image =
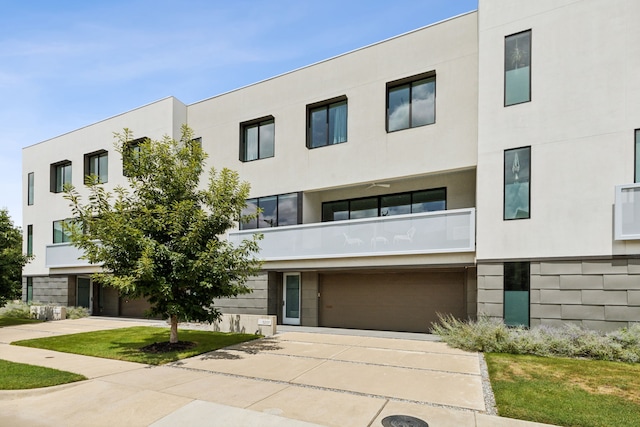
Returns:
point(66, 64)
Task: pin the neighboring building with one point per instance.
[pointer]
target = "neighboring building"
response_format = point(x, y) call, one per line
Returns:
point(369, 183)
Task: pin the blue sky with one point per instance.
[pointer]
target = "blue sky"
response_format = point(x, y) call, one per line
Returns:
point(66, 64)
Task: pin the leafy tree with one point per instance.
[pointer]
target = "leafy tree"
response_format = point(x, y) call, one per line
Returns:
point(11, 259)
point(161, 239)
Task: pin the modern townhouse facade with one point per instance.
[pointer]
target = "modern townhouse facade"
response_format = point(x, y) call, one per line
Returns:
point(485, 164)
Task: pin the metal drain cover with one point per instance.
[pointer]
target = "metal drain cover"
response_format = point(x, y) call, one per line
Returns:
point(403, 421)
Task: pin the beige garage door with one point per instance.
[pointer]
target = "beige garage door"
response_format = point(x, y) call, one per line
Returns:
point(390, 301)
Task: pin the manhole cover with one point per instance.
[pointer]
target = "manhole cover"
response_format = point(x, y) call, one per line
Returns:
point(403, 421)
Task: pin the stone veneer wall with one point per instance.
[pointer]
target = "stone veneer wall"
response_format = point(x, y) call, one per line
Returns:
point(46, 289)
point(254, 303)
point(596, 294)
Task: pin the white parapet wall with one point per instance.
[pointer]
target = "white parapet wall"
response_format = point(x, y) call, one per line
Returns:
point(247, 324)
point(48, 312)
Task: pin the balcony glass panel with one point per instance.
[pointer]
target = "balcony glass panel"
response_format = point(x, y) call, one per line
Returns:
point(64, 255)
point(425, 233)
point(627, 212)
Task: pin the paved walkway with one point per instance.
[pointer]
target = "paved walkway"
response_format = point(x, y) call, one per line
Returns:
point(300, 377)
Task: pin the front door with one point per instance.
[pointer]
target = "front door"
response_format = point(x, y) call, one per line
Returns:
point(83, 293)
point(291, 299)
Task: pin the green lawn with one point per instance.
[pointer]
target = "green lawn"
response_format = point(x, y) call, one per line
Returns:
point(125, 344)
point(566, 392)
point(13, 321)
point(18, 376)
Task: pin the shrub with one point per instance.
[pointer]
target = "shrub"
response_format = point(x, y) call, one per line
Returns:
point(17, 310)
point(77, 312)
point(492, 335)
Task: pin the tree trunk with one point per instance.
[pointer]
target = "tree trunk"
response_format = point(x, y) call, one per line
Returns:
point(173, 338)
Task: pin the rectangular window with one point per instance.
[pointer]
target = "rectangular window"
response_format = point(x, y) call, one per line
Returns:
point(257, 139)
point(30, 189)
point(97, 164)
point(386, 205)
point(276, 211)
point(59, 234)
point(130, 156)
point(60, 175)
point(517, 178)
point(335, 211)
point(30, 239)
point(327, 123)
point(637, 157)
point(411, 103)
point(29, 289)
point(517, 68)
point(516, 293)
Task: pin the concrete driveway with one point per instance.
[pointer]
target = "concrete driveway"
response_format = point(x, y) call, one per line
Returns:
point(291, 379)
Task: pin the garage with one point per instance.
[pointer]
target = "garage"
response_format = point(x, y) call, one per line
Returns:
point(392, 301)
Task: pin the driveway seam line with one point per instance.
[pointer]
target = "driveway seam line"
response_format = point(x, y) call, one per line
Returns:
point(370, 364)
point(315, 387)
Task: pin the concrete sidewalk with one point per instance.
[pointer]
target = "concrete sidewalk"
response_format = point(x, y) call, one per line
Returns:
point(296, 378)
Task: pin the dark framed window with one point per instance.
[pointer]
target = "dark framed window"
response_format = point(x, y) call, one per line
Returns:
point(517, 278)
point(30, 239)
point(29, 289)
point(411, 102)
point(276, 211)
point(386, 205)
point(257, 139)
point(517, 68)
point(196, 142)
point(60, 175)
point(97, 163)
point(131, 156)
point(327, 123)
point(637, 157)
point(30, 183)
point(60, 235)
point(517, 179)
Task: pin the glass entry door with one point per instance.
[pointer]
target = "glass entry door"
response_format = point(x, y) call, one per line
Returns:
point(83, 293)
point(291, 299)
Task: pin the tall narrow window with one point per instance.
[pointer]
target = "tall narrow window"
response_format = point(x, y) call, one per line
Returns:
point(257, 141)
point(411, 103)
point(517, 68)
point(637, 157)
point(516, 293)
point(517, 176)
point(60, 175)
point(327, 123)
point(97, 164)
point(29, 289)
point(30, 189)
point(30, 239)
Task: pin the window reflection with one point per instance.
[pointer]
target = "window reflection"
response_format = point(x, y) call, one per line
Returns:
point(411, 104)
point(276, 211)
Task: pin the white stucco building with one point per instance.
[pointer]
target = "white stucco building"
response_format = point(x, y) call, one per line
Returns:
point(483, 164)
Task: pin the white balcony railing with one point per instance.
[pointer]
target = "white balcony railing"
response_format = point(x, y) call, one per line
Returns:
point(62, 255)
point(627, 212)
point(425, 233)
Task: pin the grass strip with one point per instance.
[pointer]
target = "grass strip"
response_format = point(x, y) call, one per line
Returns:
point(20, 376)
point(126, 343)
point(14, 321)
point(567, 392)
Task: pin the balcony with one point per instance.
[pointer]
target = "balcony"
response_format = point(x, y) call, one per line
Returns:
point(424, 233)
point(627, 212)
point(62, 255)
